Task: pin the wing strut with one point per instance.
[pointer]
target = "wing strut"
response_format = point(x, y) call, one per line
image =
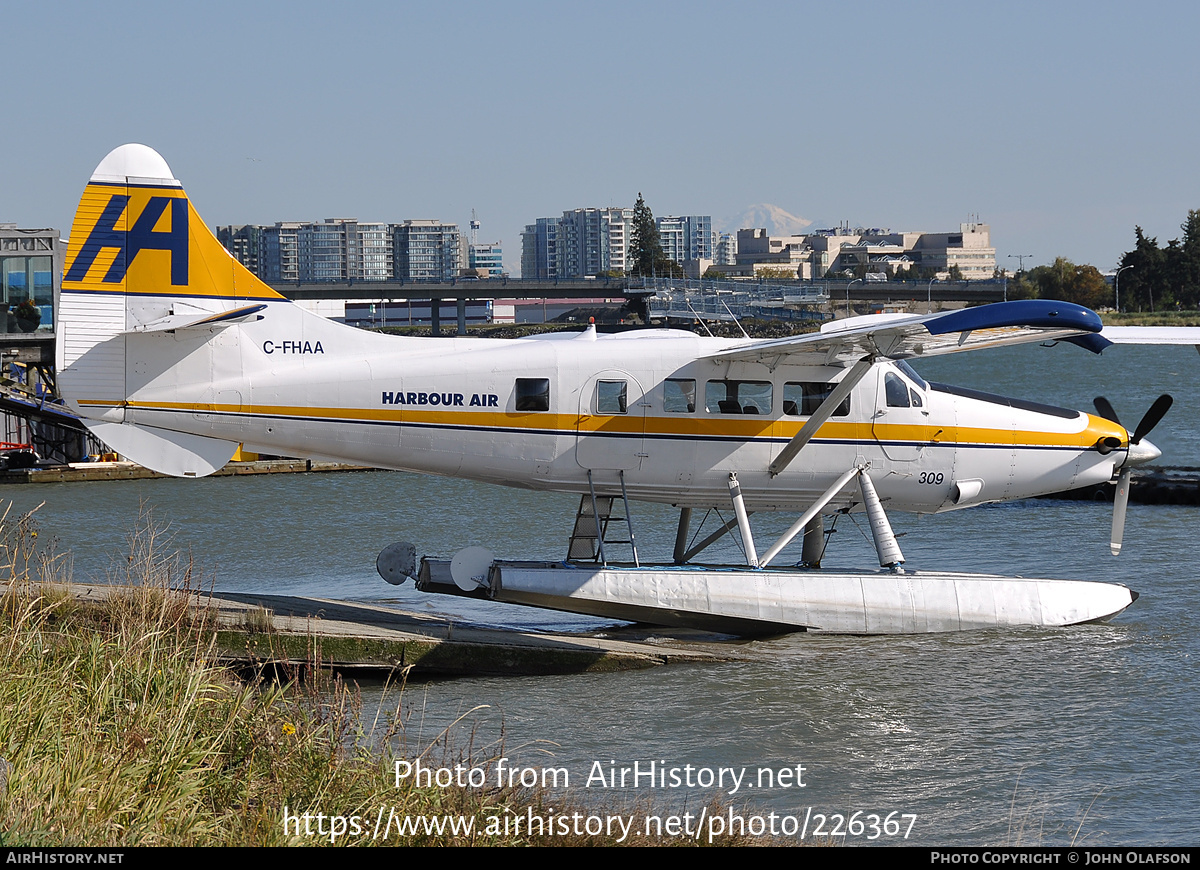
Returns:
point(819, 416)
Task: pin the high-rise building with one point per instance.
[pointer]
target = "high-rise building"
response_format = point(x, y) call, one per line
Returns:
point(539, 249)
point(425, 250)
point(686, 238)
point(725, 249)
point(590, 241)
point(245, 242)
point(280, 259)
point(375, 260)
point(343, 249)
point(593, 240)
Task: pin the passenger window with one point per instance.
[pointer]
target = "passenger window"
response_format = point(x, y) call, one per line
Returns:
point(679, 395)
point(802, 399)
point(738, 397)
point(611, 397)
point(533, 394)
point(896, 391)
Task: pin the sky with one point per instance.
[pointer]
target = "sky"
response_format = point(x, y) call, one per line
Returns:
point(1063, 125)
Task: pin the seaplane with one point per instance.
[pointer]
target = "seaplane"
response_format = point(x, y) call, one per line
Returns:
point(175, 355)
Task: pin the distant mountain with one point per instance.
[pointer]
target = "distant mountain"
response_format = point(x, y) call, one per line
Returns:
point(777, 221)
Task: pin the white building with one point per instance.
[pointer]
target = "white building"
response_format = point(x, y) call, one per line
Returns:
point(593, 240)
point(686, 238)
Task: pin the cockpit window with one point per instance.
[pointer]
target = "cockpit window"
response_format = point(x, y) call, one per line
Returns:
point(896, 391)
point(912, 373)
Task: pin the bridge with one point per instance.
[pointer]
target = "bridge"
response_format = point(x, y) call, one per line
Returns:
point(773, 299)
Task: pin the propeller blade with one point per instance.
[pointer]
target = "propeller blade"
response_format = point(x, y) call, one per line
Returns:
point(1105, 409)
point(1120, 503)
point(1160, 407)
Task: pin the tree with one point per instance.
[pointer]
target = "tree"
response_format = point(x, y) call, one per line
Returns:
point(1020, 287)
point(1187, 267)
point(913, 272)
point(646, 255)
point(1145, 282)
point(1163, 277)
point(645, 248)
point(1083, 285)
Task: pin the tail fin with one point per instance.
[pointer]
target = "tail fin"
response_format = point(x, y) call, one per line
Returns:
point(138, 253)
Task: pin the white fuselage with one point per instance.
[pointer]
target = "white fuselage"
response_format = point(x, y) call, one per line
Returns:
point(648, 404)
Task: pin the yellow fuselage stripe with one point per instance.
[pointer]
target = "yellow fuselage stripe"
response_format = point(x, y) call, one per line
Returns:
point(683, 426)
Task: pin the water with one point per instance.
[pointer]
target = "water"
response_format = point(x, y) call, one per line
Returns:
point(988, 737)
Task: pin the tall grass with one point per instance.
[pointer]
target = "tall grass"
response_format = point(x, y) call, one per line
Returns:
point(118, 726)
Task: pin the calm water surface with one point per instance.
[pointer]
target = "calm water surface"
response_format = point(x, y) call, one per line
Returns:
point(990, 737)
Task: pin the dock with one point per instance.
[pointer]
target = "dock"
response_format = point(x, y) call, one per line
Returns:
point(81, 471)
point(278, 633)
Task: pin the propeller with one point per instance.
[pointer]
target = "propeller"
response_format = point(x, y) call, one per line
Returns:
point(1146, 453)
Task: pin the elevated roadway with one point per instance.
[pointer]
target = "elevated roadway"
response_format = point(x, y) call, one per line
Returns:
point(637, 290)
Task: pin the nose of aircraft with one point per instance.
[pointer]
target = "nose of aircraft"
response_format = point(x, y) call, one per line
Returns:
point(1142, 452)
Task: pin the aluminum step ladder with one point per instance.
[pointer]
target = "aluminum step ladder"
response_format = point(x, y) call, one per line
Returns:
point(592, 523)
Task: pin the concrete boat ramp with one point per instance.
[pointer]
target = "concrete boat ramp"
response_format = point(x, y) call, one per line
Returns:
point(380, 640)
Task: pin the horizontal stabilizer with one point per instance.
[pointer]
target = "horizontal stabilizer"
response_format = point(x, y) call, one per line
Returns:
point(190, 321)
point(175, 453)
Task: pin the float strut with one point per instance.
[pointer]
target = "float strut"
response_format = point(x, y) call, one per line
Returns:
point(814, 542)
point(743, 521)
point(881, 530)
point(685, 522)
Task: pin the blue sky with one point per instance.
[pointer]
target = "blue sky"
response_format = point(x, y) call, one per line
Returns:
point(1063, 125)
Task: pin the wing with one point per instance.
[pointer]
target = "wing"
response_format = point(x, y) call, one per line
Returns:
point(903, 336)
point(1153, 335)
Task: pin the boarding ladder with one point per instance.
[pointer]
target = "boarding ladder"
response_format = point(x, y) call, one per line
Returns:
point(592, 522)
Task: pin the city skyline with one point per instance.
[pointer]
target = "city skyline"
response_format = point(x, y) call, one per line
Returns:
point(1059, 125)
